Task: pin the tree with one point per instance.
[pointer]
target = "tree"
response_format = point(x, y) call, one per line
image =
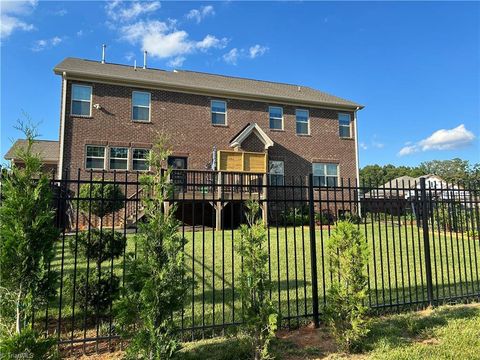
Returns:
point(453, 170)
point(27, 236)
point(156, 284)
point(259, 316)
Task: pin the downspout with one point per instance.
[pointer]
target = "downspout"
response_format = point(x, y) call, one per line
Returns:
point(357, 160)
point(62, 125)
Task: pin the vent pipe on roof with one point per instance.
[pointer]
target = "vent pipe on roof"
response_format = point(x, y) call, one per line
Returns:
point(135, 64)
point(103, 53)
point(145, 59)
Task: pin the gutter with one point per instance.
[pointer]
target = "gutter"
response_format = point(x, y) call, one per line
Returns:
point(62, 125)
point(357, 160)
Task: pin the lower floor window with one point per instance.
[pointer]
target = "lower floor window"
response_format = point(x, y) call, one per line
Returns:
point(325, 174)
point(118, 158)
point(276, 170)
point(140, 159)
point(95, 157)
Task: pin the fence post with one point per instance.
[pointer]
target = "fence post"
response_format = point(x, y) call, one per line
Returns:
point(426, 240)
point(313, 252)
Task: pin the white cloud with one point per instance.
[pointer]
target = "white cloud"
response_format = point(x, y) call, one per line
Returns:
point(363, 146)
point(117, 11)
point(231, 57)
point(163, 40)
point(61, 12)
point(199, 14)
point(257, 50)
point(176, 62)
point(80, 33)
point(43, 44)
point(443, 139)
point(10, 17)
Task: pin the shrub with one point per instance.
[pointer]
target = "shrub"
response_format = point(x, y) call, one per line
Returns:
point(99, 245)
point(346, 312)
point(325, 217)
point(295, 216)
point(28, 345)
point(259, 315)
point(104, 198)
point(98, 293)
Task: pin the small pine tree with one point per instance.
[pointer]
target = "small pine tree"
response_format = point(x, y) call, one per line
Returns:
point(260, 318)
point(27, 238)
point(156, 282)
point(346, 310)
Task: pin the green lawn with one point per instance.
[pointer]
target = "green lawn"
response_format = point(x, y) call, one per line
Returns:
point(396, 268)
point(448, 332)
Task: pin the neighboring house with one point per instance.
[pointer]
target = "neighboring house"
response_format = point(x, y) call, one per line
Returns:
point(111, 115)
point(48, 150)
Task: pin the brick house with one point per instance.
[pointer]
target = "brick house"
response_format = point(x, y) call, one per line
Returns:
point(111, 114)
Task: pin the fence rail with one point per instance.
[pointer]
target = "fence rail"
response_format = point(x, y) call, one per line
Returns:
point(424, 248)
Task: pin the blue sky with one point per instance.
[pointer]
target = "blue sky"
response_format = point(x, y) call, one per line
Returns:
point(414, 65)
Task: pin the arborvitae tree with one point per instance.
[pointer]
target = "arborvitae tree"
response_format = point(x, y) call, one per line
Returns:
point(156, 284)
point(27, 238)
point(259, 315)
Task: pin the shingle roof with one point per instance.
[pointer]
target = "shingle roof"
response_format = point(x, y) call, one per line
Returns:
point(47, 149)
point(203, 82)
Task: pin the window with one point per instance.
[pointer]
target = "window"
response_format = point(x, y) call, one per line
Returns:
point(95, 158)
point(276, 117)
point(325, 174)
point(118, 158)
point(219, 112)
point(344, 125)
point(140, 159)
point(81, 100)
point(276, 170)
point(140, 106)
point(302, 118)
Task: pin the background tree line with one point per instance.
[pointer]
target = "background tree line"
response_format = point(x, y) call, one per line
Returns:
point(454, 170)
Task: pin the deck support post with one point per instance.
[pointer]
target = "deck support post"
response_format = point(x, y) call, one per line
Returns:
point(218, 215)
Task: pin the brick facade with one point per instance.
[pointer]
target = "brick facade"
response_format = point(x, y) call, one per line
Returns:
point(186, 119)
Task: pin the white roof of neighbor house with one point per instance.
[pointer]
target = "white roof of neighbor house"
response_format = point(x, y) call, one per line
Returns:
point(191, 81)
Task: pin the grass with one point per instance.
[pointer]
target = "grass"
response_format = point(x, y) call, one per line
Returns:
point(396, 268)
point(448, 332)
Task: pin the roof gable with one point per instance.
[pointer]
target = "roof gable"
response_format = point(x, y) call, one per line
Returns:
point(252, 128)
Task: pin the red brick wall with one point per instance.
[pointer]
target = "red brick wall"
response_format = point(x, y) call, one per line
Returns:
point(186, 119)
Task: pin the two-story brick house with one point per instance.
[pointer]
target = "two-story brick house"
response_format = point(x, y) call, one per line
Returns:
point(111, 114)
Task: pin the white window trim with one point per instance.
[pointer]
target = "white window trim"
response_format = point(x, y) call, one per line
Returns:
point(349, 126)
point(325, 172)
point(270, 117)
point(308, 122)
point(95, 157)
point(72, 99)
point(116, 158)
point(218, 112)
point(133, 152)
point(143, 106)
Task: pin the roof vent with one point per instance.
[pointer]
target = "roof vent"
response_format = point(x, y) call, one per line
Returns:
point(103, 53)
point(145, 59)
point(175, 70)
point(135, 64)
point(299, 88)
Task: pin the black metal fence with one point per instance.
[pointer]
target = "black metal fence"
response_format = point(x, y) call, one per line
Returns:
point(423, 239)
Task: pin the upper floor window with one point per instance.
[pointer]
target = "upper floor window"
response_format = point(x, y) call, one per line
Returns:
point(140, 159)
point(276, 170)
point(141, 106)
point(118, 158)
point(325, 174)
point(81, 100)
point(219, 112)
point(95, 157)
point(344, 125)
point(276, 117)
point(303, 121)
